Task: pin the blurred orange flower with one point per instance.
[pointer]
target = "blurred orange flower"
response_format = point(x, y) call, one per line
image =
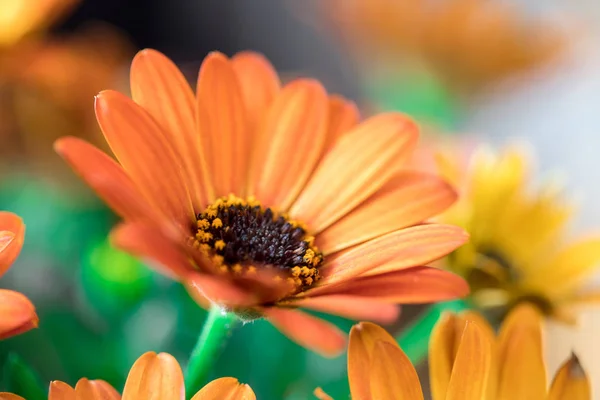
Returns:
point(17, 314)
point(20, 18)
point(466, 362)
point(49, 89)
point(263, 199)
point(152, 376)
point(469, 42)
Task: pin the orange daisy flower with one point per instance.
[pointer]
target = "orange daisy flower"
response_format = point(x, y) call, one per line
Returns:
point(466, 362)
point(263, 199)
point(153, 376)
point(17, 314)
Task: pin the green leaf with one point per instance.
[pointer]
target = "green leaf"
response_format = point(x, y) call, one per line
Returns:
point(19, 378)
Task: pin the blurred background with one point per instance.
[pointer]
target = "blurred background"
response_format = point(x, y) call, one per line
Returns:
point(499, 70)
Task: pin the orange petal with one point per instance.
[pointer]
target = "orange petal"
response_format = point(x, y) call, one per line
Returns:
point(308, 331)
point(218, 290)
point(17, 314)
point(571, 382)
point(343, 116)
point(363, 337)
point(12, 234)
point(159, 87)
point(145, 152)
point(225, 389)
point(95, 390)
point(289, 144)
point(392, 374)
point(154, 376)
point(356, 167)
point(415, 285)
point(106, 178)
point(10, 396)
point(146, 242)
point(223, 125)
point(404, 248)
point(321, 395)
point(352, 307)
point(522, 373)
point(443, 347)
point(61, 391)
point(259, 83)
point(472, 365)
point(405, 200)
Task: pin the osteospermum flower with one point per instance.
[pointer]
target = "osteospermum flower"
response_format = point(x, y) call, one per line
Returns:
point(263, 199)
point(152, 376)
point(17, 314)
point(466, 362)
point(518, 251)
point(468, 42)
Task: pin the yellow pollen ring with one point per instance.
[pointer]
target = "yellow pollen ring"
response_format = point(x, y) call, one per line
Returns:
point(282, 245)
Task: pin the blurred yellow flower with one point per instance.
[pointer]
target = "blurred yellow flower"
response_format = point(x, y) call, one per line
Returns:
point(20, 18)
point(466, 363)
point(153, 376)
point(469, 42)
point(517, 250)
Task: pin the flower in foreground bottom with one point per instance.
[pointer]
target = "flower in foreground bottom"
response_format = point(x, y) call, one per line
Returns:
point(17, 314)
point(152, 376)
point(263, 199)
point(466, 362)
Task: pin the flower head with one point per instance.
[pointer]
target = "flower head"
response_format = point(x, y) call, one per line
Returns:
point(17, 314)
point(466, 362)
point(265, 198)
point(518, 251)
point(468, 42)
point(152, 376)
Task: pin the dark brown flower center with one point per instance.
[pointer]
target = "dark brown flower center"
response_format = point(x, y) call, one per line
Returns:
point(241, 236)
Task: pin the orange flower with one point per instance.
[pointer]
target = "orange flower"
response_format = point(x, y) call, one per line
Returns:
point(153, 376)
point(263, 199)
point(466, 362)
point(468, 42)
point(17, 314)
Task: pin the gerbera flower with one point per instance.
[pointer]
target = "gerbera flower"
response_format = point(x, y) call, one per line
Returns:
point(468, 42)
point(17, 314)
point(263, 199)
point(152, 376)
point(466, 362)
point(517, 250)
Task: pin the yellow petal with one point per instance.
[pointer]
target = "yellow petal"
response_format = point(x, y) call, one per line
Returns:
point(522, 374)
point(571, 382)
point(443, 346)
point(472, 365)
point(392, 374)
point(225, 389)
point(154, 376)
point(363, 337)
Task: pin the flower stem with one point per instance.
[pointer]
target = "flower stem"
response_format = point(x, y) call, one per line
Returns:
point(414, 340)
point(214, 335)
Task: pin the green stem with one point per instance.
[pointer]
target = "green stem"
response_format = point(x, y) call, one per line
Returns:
point(414, 340)
point(215, 332)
